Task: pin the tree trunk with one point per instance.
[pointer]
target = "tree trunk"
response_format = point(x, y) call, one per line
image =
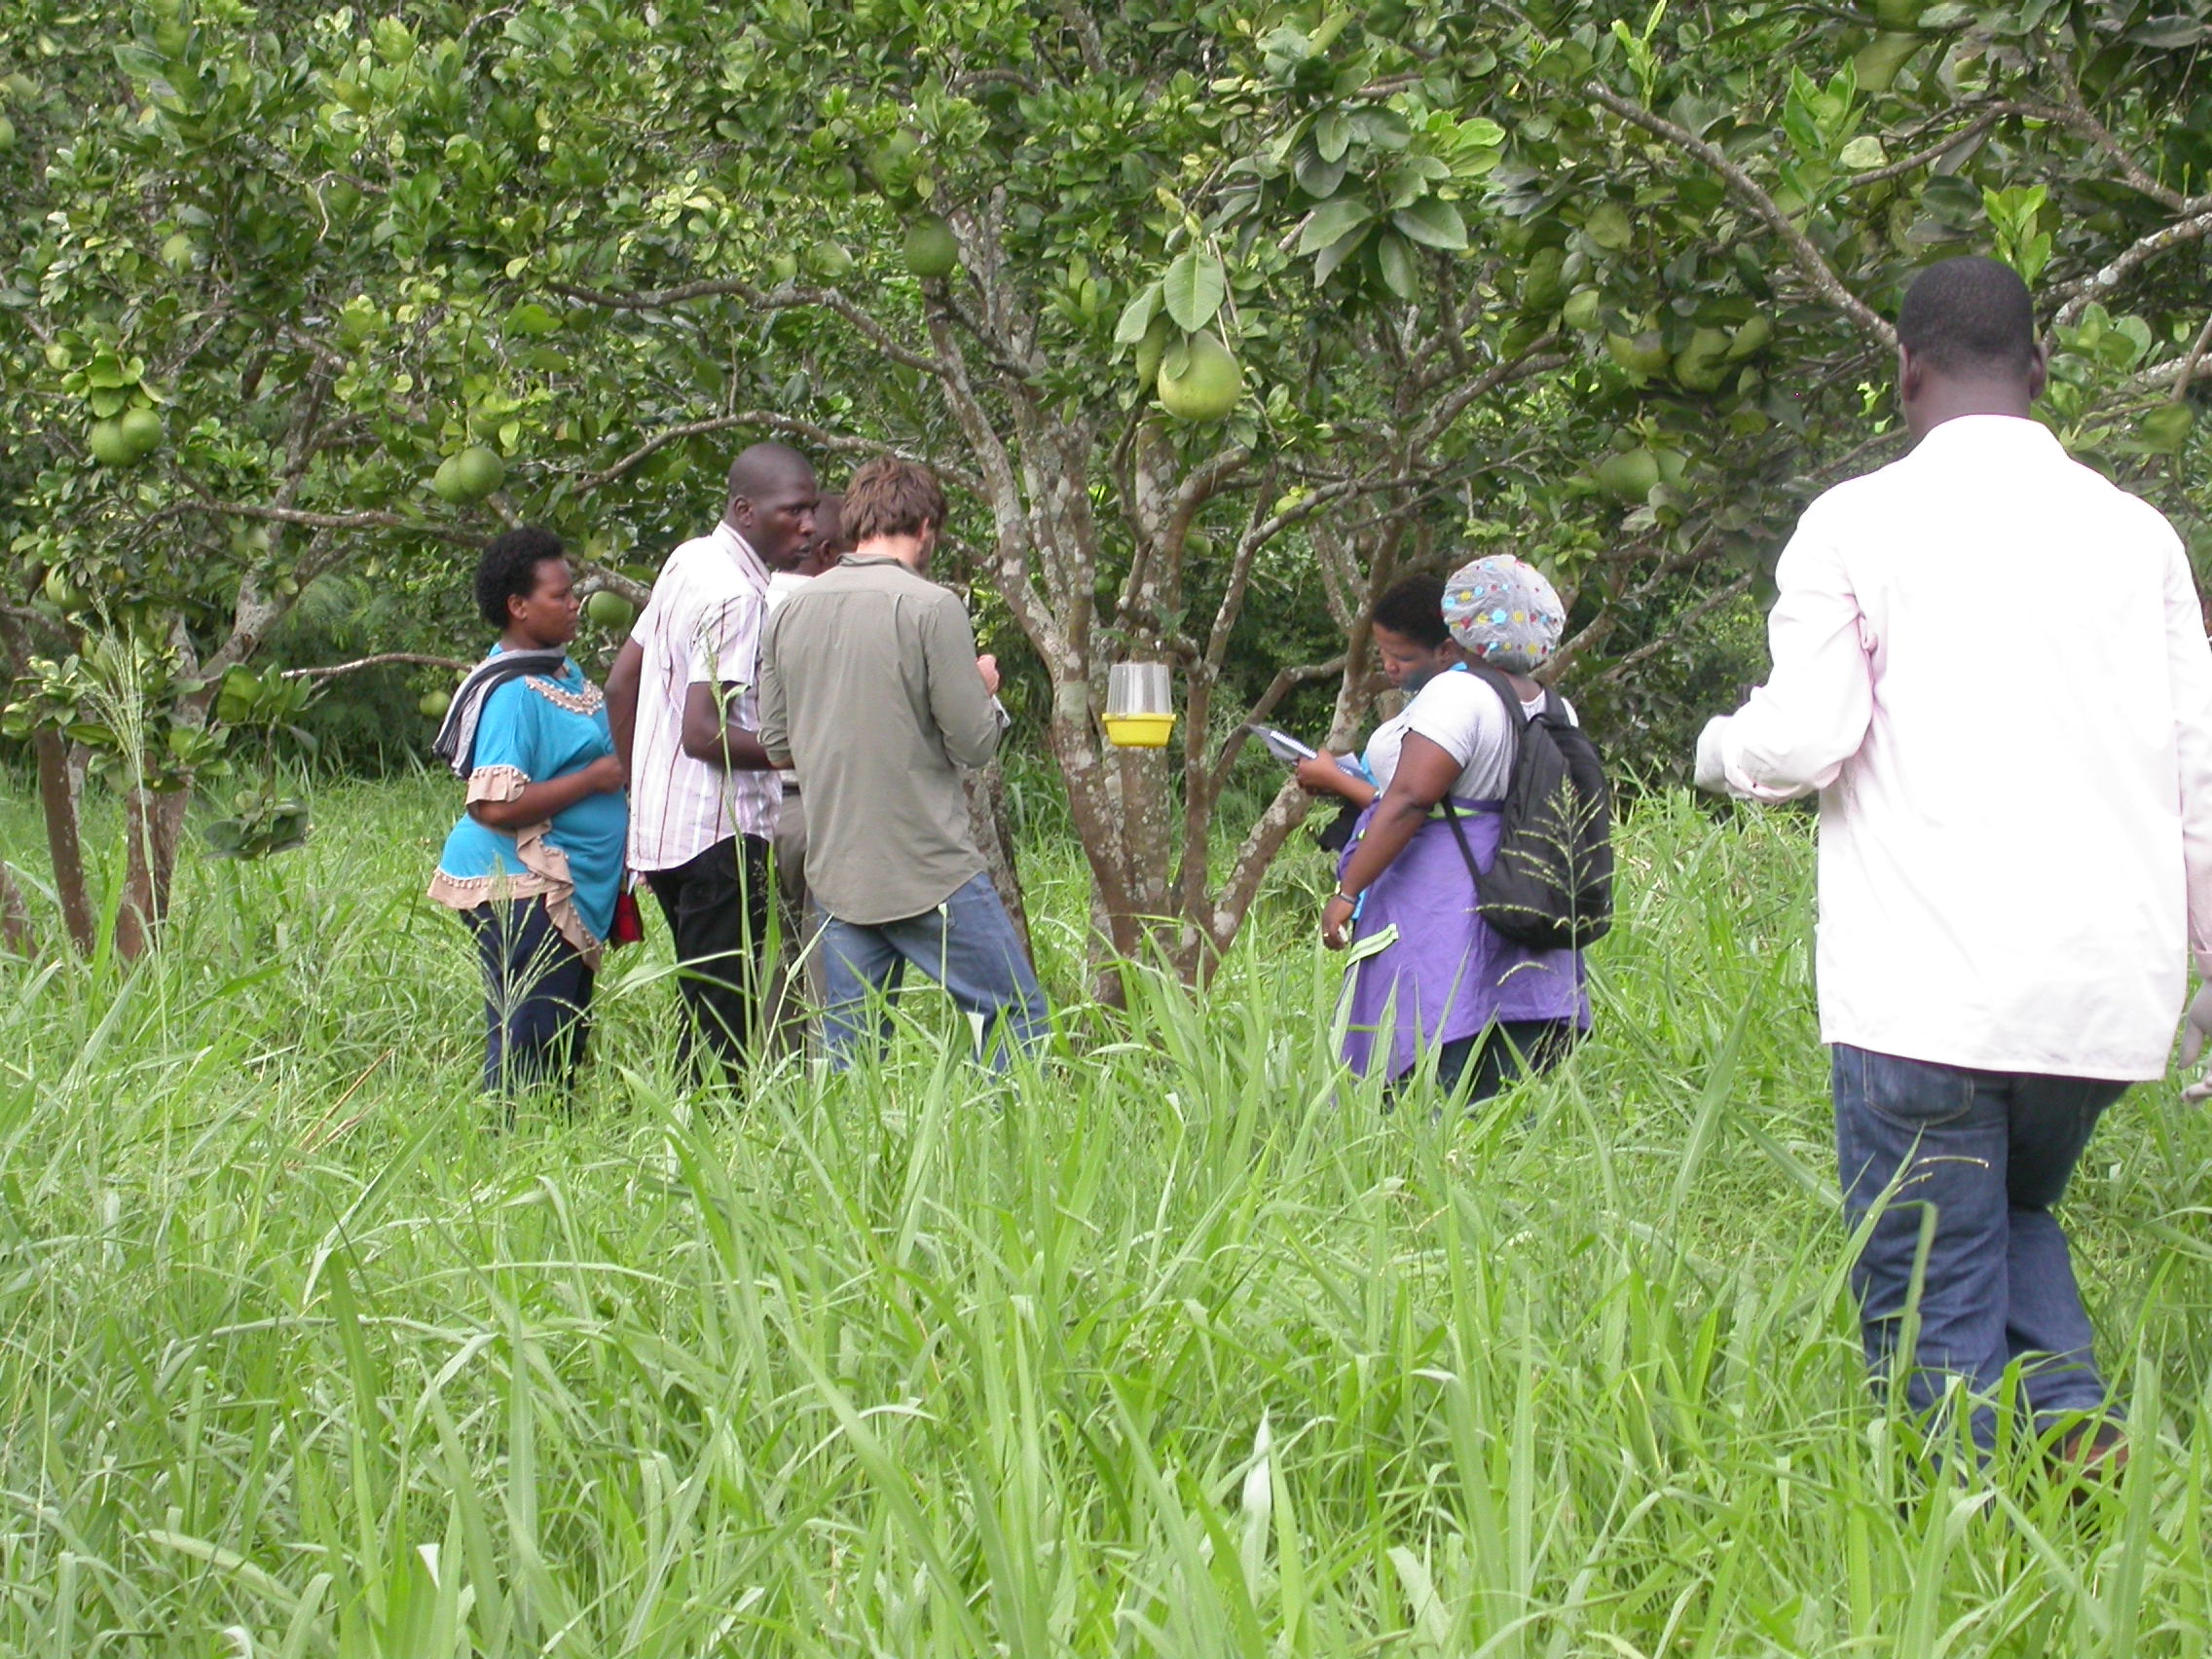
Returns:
point(16, 930)
point(57, 798)
point(154, 823)
point(988, 823)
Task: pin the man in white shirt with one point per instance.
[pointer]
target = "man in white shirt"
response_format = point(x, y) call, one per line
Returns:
point(798, 955)
point(683, 699)
point(1991, 664)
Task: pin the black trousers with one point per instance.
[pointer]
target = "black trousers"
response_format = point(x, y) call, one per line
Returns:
point(536, 998)
point(1502, 1052)
point(716, 906)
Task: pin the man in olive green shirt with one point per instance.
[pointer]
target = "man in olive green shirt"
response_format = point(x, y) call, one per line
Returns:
point(870, 689)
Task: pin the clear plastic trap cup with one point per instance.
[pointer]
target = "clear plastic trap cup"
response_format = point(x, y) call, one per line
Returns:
point(1139, 711)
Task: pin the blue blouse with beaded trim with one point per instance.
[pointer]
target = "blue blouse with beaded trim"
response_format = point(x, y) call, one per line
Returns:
point(534, 729)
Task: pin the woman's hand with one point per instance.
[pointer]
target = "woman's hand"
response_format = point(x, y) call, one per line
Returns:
point(1336, 921)
point(608, 775)
point(1319, 774)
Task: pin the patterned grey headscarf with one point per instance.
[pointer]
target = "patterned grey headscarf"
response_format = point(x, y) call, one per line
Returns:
point(1504, 613)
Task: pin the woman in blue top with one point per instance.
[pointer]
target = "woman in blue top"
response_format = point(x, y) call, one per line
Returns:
point(535, 862)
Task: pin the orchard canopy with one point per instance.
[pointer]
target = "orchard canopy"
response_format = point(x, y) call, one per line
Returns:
point(1217, 317)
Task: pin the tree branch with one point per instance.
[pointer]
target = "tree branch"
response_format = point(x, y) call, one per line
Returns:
point(821, 437)
point(319, 521)
point(785, 298)
point(2130, 259)
point(334, 669)
point(1811, 263)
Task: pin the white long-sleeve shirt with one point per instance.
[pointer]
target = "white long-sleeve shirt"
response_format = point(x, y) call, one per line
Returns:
point(1992, 665)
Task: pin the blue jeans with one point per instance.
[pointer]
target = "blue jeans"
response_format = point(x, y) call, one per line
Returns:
point(967, 944)
point(1988, 1153)
point(536, 997)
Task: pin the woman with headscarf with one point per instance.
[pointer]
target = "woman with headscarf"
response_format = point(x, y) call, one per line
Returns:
point(1428, 975)
point(535, 864)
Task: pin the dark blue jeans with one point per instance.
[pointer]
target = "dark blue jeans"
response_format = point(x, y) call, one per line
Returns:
point(967, 944)
point(1978, 1159)
point(536, 998)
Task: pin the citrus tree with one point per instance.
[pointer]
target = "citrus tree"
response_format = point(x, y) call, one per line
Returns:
point(1217, 317)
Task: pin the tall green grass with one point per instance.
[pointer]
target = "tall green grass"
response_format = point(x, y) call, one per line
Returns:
point(1179, 1345)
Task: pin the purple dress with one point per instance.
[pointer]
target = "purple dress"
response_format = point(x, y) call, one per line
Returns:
point(1446, 975)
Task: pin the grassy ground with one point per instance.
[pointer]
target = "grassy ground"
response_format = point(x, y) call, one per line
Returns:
point(1182, 1348)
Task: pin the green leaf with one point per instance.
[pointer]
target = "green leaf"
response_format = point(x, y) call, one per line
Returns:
point(1396, 259)
point(1433, 224)
point(1332, 222)
point(1137, 315)
point(1332, 134)
point(1193, 289)
point(1336, 252)
point(531, 320)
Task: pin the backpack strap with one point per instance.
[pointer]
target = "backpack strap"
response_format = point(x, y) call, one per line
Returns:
point(1459, 835)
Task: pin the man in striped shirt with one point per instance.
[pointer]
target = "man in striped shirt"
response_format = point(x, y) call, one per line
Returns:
point(681, 697)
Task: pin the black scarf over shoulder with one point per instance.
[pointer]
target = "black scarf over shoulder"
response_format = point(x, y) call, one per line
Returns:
point(456, 742)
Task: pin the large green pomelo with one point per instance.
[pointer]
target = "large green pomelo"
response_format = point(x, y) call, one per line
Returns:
point(1208, 387)
point(1875, 65)
point(1703, 364)
point(608, 610)
point(1542, 282)
point(829, 260)
point(1643, 354)
point(478, 471)
point(1629, 475)
point(1751, 336)
point(1580, 313)
point(110, 445)
point(931, 252)
point(432, 705)
point(142, 430)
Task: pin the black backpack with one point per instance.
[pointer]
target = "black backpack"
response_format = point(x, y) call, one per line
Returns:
point(1551, 885)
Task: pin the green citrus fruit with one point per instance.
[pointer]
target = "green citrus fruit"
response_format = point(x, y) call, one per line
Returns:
point(1644, 353)
point(829, 261)
point(931, 250)
point(784, 267)
point(1877, 64)
point(1582, 310)
point(63, 592)
point(1629, 475)
point(608, 610)
point(1542, 285)
point(887, 162)
point(470, 476)
point(141, 430)
point(1208, 387)
point(1750, 336)
point(109, 444)
point(434, 704)
point(7, 135)
point(1703, 364)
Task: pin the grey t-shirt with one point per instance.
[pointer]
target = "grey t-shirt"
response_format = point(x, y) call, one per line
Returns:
point(868, 683)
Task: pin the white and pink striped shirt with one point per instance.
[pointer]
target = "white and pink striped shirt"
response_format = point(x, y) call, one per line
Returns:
point(702, 626)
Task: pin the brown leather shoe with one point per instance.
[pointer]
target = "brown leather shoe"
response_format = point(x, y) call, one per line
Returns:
point(2089, 1455)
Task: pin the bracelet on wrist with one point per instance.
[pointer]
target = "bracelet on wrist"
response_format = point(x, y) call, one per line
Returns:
point(1348, 898)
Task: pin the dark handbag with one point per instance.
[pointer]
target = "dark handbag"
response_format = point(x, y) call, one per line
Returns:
point(1334, 835)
